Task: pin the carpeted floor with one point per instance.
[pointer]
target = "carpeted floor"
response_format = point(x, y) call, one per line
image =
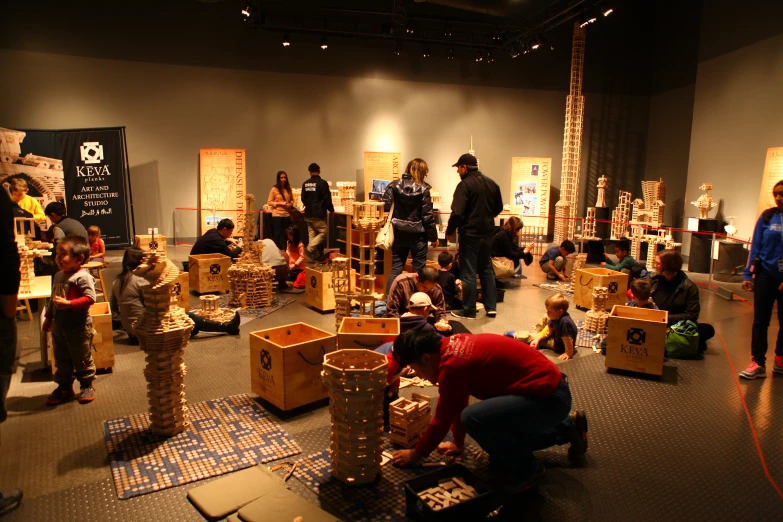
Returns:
point(679, 448)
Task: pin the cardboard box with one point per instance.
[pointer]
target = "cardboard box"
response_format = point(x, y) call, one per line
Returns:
point(319, 291)
point(209, 272)
point(367, 332)
point(286, 364)
point(143, 242)
point(636, 339)
point(102, 340)
point(182, 290)
point(586, 279)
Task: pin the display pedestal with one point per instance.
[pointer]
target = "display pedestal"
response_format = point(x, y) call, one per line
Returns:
point(602, 230)
point(595, 251)
point(732, 258)
point(700, 253)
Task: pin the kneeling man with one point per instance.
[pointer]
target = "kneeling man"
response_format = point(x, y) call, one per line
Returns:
point(525, 402)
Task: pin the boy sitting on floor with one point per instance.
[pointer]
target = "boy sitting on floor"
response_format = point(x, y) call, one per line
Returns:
point(561, 331)
point(641, 292)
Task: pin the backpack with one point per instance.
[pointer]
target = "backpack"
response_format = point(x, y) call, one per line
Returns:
point(682, 340)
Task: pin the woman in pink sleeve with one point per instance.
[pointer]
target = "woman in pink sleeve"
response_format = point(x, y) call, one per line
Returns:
point(295, 250)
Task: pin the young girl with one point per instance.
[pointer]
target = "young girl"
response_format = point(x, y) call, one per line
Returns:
point(97, 246)
point(295, 250)
point(126, 295)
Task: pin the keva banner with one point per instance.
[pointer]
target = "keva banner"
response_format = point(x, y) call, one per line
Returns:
point(95, 175)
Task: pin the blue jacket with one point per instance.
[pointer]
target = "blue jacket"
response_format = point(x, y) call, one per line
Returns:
point(767, 245)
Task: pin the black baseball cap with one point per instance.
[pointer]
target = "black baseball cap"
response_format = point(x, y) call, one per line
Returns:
point(314, 168)
point(467, 159)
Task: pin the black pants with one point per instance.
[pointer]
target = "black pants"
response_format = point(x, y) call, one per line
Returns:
point(474, 258)
point(416, 245)
point(706, 332)
point(279, 226)
point(765, 295)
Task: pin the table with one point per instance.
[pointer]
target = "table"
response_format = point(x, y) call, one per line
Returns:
point(41, 289)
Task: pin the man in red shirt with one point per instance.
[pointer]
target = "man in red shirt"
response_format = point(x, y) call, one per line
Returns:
point(525, 402)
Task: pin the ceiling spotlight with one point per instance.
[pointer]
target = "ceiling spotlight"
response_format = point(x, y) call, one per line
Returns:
point(496, 35)
point(605, 10)
point(539, 41)
point(583, 21)
point(525, 48)
point(515, 53)
point(324, 43)
point(247, 12)
point(286, 40)
point(398, 49)
point(410, 29)
point(447, 30)
point(490, 58)
point(479, 56)
point(426, 52)
point(450, 54)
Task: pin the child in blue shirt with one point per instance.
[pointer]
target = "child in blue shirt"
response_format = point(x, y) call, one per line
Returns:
point(641, 292)
point(561, 331)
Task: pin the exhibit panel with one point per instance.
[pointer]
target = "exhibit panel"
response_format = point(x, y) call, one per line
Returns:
point(530, 188)
point(380, 169)
point(222, 175)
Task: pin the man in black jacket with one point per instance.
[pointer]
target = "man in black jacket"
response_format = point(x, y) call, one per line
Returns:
point(218, 241)
point(476, 202)
point(317, 200)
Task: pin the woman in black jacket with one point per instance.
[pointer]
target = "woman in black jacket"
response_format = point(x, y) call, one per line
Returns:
point(412, 219)
point(506, 244)
point(674, 292)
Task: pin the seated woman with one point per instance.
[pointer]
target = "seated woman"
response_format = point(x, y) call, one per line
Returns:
point(506, 244)
point(295, 249)
point(674, 292)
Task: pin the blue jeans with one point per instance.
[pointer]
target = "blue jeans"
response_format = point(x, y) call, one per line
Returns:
point(511, 427)
point(474, 258)
point(403, 244)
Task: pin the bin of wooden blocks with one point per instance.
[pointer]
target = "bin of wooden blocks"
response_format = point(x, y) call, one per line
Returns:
point(286, 363)
point(636, 339)
point(585, 279)
point(450, 493)
point(319, 290)
point(367, 332)
point(102, 340)
point(146, 243)
point(408, 418)
point(209, 272)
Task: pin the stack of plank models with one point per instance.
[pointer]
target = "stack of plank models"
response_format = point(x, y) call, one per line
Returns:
point(581, 259)
point(163, 332)
point(210, 310)
point(408, 419)
point(356, 381)
point(596, 317)
point(249, 280)
point(447, 493)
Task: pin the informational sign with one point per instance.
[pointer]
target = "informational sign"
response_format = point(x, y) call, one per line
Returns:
point(773, 172)
point(380, 169)
point(223, 187)
point(530, 186)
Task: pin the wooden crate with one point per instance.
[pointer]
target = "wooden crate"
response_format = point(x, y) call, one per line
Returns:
point(209, 272)
point(367, 332)
point(636, 339)
point(182, 290)
point(319, 291)
point(143, 242)
point(102, 341)
point(286, 363)
point(585, 279)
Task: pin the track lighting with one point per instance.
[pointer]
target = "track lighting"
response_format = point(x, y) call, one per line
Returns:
point(450, 54)
point(447, 30)
point(538, 42)
point(324, 43)
point(286, 40)
point(398, 49)
point(410, 30)
point(247, 12)
point(605, 9)
point(490, 58)
point(479, 56)
point(525, 48)
point(585, 20)
point(426, 52)
point(496, 35)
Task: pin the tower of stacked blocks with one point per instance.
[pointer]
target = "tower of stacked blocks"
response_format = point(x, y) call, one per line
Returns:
point(620, 216)
point(596, 317)
point(368, 217)
point(408, 418)
point(341, 273)
point(581, 259)
point(249, 280)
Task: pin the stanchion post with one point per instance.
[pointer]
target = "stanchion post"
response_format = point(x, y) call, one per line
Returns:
point(712, 261)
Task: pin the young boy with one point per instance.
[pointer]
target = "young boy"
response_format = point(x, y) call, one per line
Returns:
point(624, 261)
point(26, 202)
point(68, 318)
point(448, 282)
point(419, 308)
point(641, 291)
point(561, 331)
point(553, 261)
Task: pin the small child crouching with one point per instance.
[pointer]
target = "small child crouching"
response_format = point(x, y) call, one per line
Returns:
point(68, 318)
point(641, 292)
point(561, 331)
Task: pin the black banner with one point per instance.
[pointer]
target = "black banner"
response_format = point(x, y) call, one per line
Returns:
point(95, 171)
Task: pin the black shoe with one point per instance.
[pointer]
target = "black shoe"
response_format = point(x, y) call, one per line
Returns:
point(492, 313)
point(460, 314)
point(578, 437)
point(10, 500)
point(232, 327)
point(60, 395)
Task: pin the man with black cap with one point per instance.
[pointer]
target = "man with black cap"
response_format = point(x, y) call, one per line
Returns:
point(476, 202)
point(317, 200)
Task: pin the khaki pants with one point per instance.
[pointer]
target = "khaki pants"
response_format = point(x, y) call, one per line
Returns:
point(316, 232)
point(73, 355)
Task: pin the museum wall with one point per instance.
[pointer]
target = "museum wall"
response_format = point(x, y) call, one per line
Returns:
point(736, 117)
point(286, 121)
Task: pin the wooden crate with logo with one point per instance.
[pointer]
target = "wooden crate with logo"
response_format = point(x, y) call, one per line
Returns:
point(286, 363)
point(319, 291)
point(367, 332)
point(182, 290)
point(102, 340)
point(145, 242)
point(209, 272)
point(636, 339)
point(585, 279)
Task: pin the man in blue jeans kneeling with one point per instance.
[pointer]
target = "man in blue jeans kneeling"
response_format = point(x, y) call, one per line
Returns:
point(525, 402)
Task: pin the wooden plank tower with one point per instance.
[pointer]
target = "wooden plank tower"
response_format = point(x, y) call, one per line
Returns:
point(566, 208)
point(163, 332)
point(249, 280)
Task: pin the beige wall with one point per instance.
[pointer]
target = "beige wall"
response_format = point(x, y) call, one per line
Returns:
point(287, 121)
point(738, 114)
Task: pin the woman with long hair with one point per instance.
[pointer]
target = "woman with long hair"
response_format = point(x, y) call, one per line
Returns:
point(506, 244)
point(280, 200)
point(412, 219)
point(764, 277)
point(126, 292)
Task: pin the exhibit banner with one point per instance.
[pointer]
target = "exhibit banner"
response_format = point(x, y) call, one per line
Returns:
point(380, 169)
point(773, 172)
point(530, 186)
point(86, 169)
point(223, 179)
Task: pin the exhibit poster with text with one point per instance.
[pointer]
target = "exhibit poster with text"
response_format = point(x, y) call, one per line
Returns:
point(223, 180)
point(773, 172)
point(530, 185)
point(380, 169)
point(85, 169)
